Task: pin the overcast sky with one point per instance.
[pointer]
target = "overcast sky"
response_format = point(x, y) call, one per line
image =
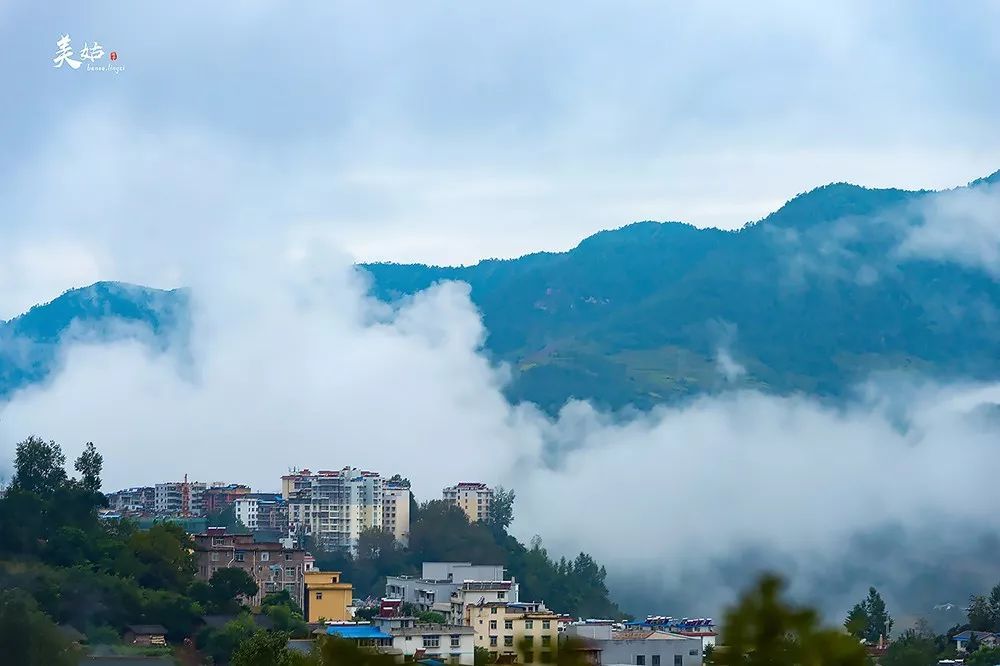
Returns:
point(448, 132)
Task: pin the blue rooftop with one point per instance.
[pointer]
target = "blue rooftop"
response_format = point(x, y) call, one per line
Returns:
point(356, 631)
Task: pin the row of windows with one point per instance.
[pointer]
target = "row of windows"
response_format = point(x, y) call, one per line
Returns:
point(435, 641)
point(508, 641)
point(640, 660)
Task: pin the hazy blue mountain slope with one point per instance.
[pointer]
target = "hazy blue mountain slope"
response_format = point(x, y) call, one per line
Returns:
point(813, 298)
point(103, 311)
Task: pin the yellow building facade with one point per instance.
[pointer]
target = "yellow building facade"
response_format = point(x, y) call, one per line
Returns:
point(528, 632)
point(327, 597)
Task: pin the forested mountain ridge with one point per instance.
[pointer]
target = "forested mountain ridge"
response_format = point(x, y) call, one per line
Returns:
point(813, 298)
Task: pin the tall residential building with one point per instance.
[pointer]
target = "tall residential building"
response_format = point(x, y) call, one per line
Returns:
point(334, 507)
point(472, 498)
point(180, 498)
point(396, 510)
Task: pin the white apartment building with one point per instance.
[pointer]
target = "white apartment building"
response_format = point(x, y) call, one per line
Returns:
point(180, 498)
point(336, 506)
point(472, 498)
point(396, 510)
point(445, 586)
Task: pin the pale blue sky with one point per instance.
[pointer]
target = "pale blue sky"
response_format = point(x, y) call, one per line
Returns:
point(446, 132)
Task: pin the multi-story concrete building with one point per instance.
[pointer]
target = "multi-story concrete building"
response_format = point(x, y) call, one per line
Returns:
point(472, 498)
point(272, 566)
point(638, 647)
point(439, 582)
point(334, 507)
point(262, 511)
point(327, 597)
point(396, 510)
point(527, 633)
point(180, 498)
point(219, 497)
point(473, 593)
point(133, 501)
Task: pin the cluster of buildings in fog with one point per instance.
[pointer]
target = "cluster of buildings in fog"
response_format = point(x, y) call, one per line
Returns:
point(445, 613)
point(333, 507)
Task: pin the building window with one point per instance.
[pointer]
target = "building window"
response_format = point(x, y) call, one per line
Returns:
point(215, 557)
point(678, 660)
point(319, 595)
point(493, 641)
point(239, 556)
point(290, 572)
point(529, 640)
point(656, 660)
point(529, 624)
point(288, 556)
point(529, 657)
point(546, 640)
point(493, 610)
point(640, 660)
point(545, 624)
point(501, 595)
point(508, 641)
point(693, 653)
point(218, 541)
point(432, 641)
point(264, 556)
point(493, 624)
point(508, 624)
point(456, 641)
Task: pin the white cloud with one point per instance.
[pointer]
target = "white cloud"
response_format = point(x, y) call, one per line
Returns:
point(961, 226)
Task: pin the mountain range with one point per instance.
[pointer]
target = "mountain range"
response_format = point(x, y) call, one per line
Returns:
point(814, 298)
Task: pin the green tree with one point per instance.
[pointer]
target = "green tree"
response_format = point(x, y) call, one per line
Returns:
point(482, 656)
point(220, 644)
point(279, 598)
point(980, 613)
point(501, 509)
point(432, 617)
point(28, 637)
point(228, 585)
point(89, 465)
point(763, 629)
point(983, 657)
point(164, 557)
point(39, 467)
point(879, 620)
point(856, 622)
point(264, 648)
point(911, 649)
point(287, 620)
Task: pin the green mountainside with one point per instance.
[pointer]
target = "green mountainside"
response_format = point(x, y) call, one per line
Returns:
point(813, 298)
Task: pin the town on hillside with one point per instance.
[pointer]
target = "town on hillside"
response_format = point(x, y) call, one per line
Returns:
point(447, 613)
